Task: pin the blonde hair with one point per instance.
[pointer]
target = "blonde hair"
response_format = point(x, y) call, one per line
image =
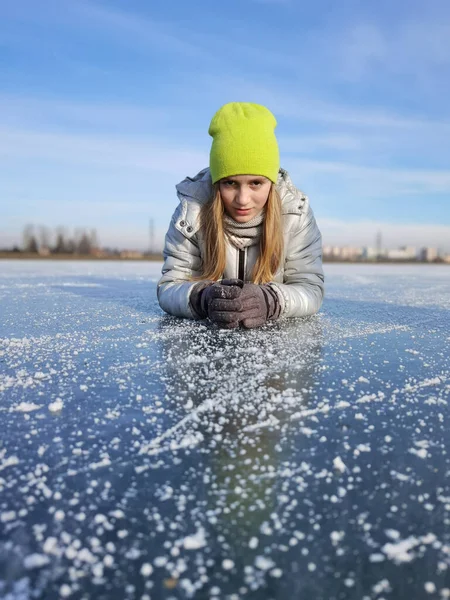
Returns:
point(271, 243)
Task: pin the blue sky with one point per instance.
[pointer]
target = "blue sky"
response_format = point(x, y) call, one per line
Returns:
point(105, 106)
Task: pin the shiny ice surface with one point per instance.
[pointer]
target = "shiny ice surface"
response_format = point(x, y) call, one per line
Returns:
point(142, 456)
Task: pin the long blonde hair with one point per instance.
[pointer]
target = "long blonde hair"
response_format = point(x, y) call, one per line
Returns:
point(271, 243)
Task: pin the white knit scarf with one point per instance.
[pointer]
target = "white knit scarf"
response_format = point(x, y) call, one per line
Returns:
point(243, 235)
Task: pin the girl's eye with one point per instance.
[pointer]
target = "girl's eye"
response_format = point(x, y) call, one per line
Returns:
point(231, 183)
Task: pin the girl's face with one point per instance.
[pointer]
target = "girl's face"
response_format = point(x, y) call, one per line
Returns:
point(244, 196)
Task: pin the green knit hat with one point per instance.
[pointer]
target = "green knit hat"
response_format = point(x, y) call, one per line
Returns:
point(244, 142)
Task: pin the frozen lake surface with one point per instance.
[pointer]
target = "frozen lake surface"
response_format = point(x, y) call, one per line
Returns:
point(146, 457)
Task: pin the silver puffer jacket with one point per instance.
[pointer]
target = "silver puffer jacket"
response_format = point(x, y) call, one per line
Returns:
point(299, 282)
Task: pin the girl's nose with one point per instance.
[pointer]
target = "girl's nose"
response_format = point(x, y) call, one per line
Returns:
point(242, 198)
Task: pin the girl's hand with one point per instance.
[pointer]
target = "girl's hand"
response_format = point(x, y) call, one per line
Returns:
point(224, 303)
point(206, 292)
point(252, 305)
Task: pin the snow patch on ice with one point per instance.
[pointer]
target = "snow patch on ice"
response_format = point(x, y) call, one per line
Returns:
point(195, 541)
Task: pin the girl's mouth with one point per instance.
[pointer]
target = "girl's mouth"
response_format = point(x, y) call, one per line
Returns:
point(243, 211)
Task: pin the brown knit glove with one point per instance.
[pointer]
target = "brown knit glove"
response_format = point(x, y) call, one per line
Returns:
point(206, 294)
point(250, 305)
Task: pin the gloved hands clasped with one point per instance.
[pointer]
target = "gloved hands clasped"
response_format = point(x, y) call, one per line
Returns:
point(232, 302)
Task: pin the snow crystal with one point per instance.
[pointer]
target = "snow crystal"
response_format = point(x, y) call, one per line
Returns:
point(429, 586)
point(363, 447)
point(56, 406)
point(51, 546)
point(263, 563)
point(27, 407)
point(277, 573)
point(7, 516)
point(342, 404)
point(339, 465)
point(400, 552)
point(337, 536)
point(35, 561)
point(421, 453)
point(193, 542)
point(376, 557)
point(65, 590)
point(85, 555)
point(381, 586)
point(146, 569)
point(9, 462)
point(108, 560)
point(97, 570)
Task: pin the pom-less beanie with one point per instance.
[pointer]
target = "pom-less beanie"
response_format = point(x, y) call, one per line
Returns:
point(244, 142)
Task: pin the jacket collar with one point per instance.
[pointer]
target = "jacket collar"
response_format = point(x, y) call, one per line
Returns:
point(193, 192)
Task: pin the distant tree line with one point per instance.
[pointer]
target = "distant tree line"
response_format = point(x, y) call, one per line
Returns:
point(44, 240)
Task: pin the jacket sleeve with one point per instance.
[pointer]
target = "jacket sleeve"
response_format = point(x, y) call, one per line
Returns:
point(302, 289)
point(182, 261)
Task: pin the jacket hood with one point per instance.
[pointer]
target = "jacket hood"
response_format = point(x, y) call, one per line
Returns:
point(200, 189)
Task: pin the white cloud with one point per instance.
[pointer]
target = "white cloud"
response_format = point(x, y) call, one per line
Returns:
point(136, 29)
point(415, 46)
point(373, 181)
point(300, 106)
point(362, 48)
point(110, 151)
point(312, 142)
point(20, 111)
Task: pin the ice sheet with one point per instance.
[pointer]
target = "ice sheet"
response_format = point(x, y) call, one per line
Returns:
point(143, 456)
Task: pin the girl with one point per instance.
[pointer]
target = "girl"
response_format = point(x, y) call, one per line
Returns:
point(243, 247)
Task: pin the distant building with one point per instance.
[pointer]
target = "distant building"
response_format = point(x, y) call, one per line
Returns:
point(367, 253)
point(344, 253)
point(370, 253)
point(403, 253)
point(99, 253)
point(331, 252)
point(350, 253)
point(428, 254)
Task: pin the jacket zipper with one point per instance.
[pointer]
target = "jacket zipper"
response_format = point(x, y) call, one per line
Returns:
point(241, 270)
